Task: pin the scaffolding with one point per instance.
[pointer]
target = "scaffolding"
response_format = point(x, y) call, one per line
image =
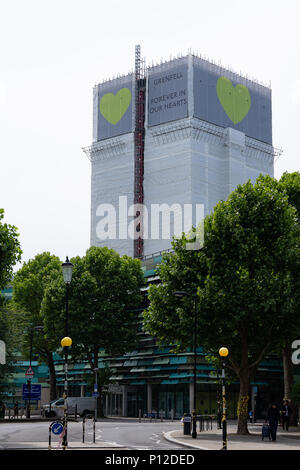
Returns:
point(139, 143)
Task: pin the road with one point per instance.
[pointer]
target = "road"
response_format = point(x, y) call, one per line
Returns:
point(124, 434)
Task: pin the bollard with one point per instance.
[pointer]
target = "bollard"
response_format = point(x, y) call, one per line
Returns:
point(49, 444)
point(83, 429)
point(94, 430)
point(140, 416)
point(187, 424)
point(194, 424)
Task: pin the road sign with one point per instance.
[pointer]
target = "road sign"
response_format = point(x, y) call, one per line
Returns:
point(35, 392)
point(56, 427)
point(95, 387)
point(96, 394)
point(29, 373)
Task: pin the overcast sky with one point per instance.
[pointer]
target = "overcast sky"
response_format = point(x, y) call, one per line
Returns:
point(54, 51)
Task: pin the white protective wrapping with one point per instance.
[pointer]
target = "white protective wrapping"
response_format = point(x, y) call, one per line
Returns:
point(187, 161)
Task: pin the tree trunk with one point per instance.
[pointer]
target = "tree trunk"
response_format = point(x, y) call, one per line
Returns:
point(288, 374)
point(244, 377)
point(52, 376)
point(100, 403)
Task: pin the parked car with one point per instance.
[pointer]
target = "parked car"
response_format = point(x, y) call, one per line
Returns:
point(55, 409)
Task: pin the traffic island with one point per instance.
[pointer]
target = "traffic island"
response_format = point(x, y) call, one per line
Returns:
point(212, 440)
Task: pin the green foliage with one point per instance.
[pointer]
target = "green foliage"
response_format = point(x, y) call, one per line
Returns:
point(10, 251)
point(217, 364)
point(290, 183)
point(11, 328)
point(103, 378)
point(29, 287)
point(103, 296)
point(244, 276)
point(296, 393)
point(169, 318)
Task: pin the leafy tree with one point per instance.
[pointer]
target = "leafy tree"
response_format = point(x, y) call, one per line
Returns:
point(10, 251)
point(103, 379)
point(10, 254)
point(295, 396)
point(242, 278)
point(29, 287)
point(103, 297)
point(11, 328)
point(290, 184)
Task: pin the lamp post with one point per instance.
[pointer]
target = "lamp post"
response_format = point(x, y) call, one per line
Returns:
point(182, 294)
point(67, 269)
point(32, 329)
point(223, 352)
point(96, 391)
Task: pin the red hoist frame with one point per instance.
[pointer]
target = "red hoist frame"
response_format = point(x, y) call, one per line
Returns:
point(139, 143)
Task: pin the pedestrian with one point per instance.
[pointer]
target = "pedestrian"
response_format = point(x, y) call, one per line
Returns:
point(273, 418)
point(286, 412)
point(2, 409)
point(16, 409)
point(219, 416)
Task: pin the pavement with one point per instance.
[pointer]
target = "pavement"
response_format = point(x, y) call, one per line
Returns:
point(56, 446)
point(212, 439)
point(206, 440)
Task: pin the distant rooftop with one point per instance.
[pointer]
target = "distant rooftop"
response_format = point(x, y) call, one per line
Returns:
point(195, 55)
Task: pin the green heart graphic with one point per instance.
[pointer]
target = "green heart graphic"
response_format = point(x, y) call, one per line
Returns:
point(236, 101)
point(113, 107)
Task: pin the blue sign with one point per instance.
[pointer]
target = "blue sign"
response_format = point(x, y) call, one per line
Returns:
point(35, 392)
point(96, 394)
point(95, 387)
point(57, 427)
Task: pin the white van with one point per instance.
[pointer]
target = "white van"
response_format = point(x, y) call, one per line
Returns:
point(55, 409)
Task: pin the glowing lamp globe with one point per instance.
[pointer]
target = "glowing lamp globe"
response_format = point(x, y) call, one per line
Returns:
point(66, 341)
point(223, 352)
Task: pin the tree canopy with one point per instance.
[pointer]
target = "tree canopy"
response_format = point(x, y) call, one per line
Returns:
point(29, 287)
point(10, 250)
point(103, 297)
point(242, 278)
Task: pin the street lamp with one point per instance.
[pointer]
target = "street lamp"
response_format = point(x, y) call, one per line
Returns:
point(223, 353)
point(182, 294)
point(32, 329)
point(67, 270)
point(96, 391)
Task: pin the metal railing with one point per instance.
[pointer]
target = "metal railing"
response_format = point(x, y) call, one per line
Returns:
point(206, 422)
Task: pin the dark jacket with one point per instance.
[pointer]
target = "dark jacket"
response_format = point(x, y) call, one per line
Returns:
point(286, 408)
point(273, 415)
